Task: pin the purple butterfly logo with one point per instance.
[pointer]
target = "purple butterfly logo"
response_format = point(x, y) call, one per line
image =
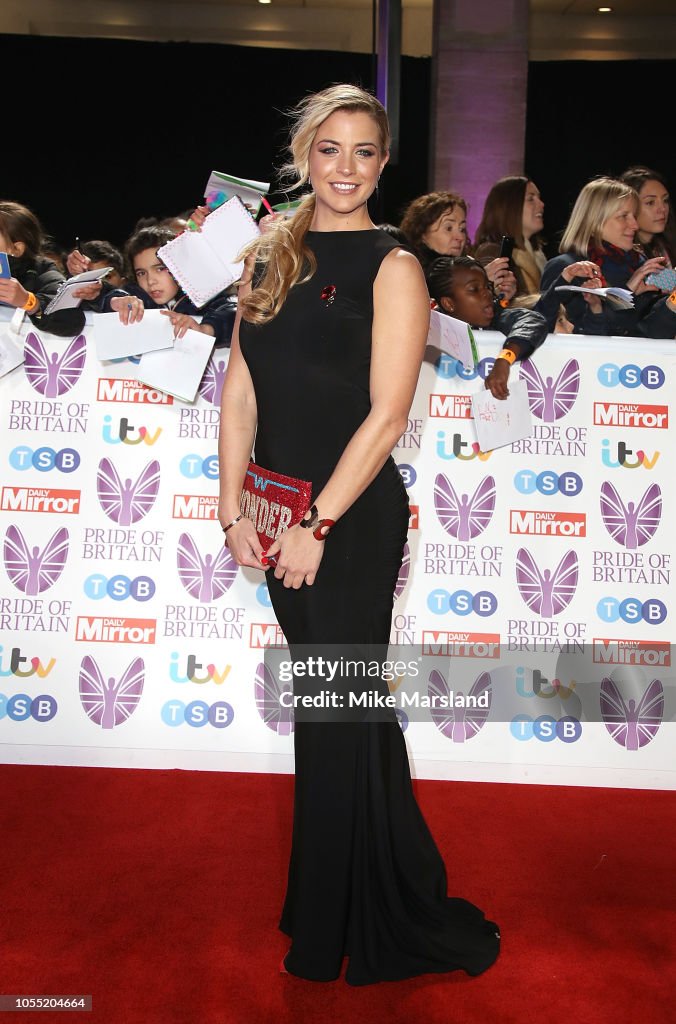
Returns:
point(464, 517)
point(211, 385)
point(126, 502)
point(551, 399)
point(546, 593)
point(33, 570)
point(458, 723)
point(205, 578)
point(630, 724)
point(402, 578)
point(268, 693)
point(109, 703)
point(53, 375)
point(631, 525)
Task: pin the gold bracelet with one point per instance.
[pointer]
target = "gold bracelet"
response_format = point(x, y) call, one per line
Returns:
point(508, 355)
point(30, 303)
point(236, 520)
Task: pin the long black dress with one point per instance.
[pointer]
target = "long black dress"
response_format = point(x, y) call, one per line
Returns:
point(365, 877)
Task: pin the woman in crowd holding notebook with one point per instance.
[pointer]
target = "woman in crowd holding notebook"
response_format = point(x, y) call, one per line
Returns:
point(597, 250)
point(34, 280)
point(331, 333)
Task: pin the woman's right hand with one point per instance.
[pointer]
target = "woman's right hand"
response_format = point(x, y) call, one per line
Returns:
point(583, 268)
point(244, 545)
point(636, 282)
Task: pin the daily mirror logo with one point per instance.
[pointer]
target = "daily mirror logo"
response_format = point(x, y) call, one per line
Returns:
point(624, 414)
point(119, 389)
point(40, 499)
point(99, 630)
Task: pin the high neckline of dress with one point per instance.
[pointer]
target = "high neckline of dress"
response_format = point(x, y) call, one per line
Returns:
point(340, 231)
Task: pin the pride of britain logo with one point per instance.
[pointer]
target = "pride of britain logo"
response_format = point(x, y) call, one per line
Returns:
point(462, 516)
point(126, 501)
point(110, 702)
point(49, 373)
point(205, 577)
point(453, 720)
point(32, 569)
point(551, 399)
point(631, 524)
point(545, 592)
point(632, 722)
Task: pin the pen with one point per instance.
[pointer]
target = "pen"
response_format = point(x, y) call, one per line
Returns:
point(267, 206)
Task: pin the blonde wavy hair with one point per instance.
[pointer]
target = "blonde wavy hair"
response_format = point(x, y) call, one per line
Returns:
point(282, 257)
point(598, 200)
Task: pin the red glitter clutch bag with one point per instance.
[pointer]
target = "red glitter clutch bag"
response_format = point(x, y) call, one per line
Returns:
point(273, 502)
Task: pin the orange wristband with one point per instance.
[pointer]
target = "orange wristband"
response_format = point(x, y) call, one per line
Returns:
point(30, 303)
point(508, 355)
point(671, 301)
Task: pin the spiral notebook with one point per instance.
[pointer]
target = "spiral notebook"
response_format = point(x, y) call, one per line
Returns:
point(205, 262)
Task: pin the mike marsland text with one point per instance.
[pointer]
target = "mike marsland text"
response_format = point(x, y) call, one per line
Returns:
point(374, 699)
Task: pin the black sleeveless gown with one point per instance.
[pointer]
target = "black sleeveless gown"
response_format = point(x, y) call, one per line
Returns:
point(365, 877)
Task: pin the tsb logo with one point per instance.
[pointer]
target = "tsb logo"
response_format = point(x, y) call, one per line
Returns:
point(462, 602)
point(630, 376)
point(119, 588)
point(632, 610)
point(527, 481)
point(43, 459)
point(198, 714)
point(20, 707)
point(194, 466)
point(448, 367)
point(545, 728)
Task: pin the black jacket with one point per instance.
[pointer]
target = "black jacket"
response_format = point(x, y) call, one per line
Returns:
point(42, 277)
point(523, 326)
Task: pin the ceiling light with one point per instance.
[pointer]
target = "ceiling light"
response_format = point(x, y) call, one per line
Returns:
point(601, 10)
point(264, 1)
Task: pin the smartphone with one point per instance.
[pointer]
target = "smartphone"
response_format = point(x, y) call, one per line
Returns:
point(665, 279)
point(5, 272)
point(506, 246)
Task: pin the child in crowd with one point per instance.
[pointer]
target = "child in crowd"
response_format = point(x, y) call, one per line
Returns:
point(151, 286)
point(460, 287)
point(34, 279)
point(95, 255)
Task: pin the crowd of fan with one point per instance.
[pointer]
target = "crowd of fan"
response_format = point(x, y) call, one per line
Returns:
point(621, 234)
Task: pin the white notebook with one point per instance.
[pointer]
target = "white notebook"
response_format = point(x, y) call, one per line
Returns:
point(177, 372)
point(205, 262)
point(64, 298)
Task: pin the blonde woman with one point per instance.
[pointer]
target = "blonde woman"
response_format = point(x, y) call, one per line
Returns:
point(325, 358)
point(597, 249)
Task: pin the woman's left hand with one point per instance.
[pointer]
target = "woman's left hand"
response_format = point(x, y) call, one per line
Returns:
point(636, 282)
point(298, 556)
point(496, 381)
point(13, 293)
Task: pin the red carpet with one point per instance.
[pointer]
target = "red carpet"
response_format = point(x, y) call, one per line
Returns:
point(158, 892)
